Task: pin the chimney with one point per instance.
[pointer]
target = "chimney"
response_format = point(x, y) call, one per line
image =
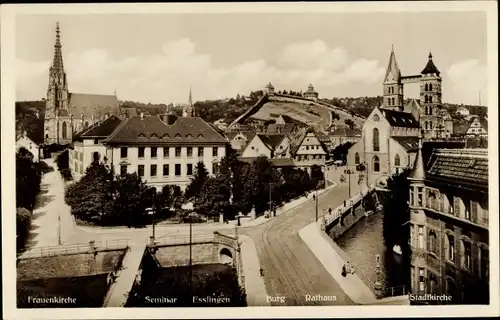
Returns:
point(142, 115)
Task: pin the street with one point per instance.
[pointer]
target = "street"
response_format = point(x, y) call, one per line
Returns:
point(290, 268)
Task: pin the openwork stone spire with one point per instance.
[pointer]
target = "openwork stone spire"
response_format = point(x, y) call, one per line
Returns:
point(57, 62)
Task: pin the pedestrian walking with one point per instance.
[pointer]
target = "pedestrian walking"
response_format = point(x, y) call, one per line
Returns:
point(261, 272)
point(329, 210)
point(344, 272)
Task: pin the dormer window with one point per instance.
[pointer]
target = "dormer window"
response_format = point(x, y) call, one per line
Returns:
point(177, 135)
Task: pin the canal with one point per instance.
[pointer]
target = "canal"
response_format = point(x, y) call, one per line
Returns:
point(365, 240)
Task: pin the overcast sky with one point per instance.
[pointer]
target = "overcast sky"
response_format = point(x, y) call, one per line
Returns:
point(155, 58)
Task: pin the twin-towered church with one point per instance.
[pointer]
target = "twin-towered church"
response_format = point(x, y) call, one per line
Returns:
point(390, 134)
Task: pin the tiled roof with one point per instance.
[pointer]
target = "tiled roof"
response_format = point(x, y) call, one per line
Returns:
point(272, 141)
point(430, 67)
point(102, 129)
point(249, 134)
point(345, 131)
point(400, 118)
point(409, 143)
point(484, 124)
point(300, 136)
point(393, 67)
point(277, 162)
point(413, 103)
point(460, 128)
point(275, 128)
point(92, 104)
point(128, 112)
point(152, 130)
point(464, 166)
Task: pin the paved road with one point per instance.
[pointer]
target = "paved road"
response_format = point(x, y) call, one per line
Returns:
point(290, 268)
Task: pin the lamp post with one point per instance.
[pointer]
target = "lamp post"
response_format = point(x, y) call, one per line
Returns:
point(59, 229)
point(154, 209)
point(190, 255)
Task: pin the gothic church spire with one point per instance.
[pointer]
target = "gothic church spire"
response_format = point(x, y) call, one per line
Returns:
point(393, 68)
point(57, 62)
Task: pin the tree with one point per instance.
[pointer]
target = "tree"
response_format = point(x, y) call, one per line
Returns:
point(264, 178)
point(197, 181)
point(214, 197)
point(350, 123)
point(90, 197)
point(28, 179)
point(131, 198)
point(317, 177)
point(23, 226)
point(62, 162)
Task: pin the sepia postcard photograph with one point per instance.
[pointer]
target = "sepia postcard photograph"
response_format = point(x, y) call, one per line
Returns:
point(250, 160)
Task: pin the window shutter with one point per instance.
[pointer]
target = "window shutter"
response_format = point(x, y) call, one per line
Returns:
point(474, 213)
point(429, 243)
point(456, 206)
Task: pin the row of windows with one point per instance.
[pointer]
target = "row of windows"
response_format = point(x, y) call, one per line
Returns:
point(428, 87)
point(428, 99)
point(465, 249)
point(392, 90)
point(428, 110)
point(306, 157)
point(468, 209)
point(391, 101)
point(153, 169)
point(166, 152)
point(312, 147)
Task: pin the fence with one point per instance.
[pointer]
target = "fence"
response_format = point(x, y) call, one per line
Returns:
point(76, 248)
point(395, 291)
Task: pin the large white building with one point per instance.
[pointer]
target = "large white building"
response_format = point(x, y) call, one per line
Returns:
point(162, 149)
point(388, 144)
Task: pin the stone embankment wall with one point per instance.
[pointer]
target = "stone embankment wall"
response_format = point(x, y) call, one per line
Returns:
point(344, 218)
point(71, 265)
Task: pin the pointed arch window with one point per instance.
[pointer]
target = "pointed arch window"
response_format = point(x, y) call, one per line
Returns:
point(64, 130)
point(376, 142)
point(430, 86)
point(356, 158)
point(430, 99)
point(426, 98)
point(376, 164)
point(393, 102)
point(397, 160)
point(426, 87)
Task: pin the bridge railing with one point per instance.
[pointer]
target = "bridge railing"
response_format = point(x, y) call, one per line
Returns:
point(350, 203)
point(74, 248)
point(184, 239)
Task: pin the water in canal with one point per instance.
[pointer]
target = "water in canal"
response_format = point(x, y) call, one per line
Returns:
point(363, 241)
